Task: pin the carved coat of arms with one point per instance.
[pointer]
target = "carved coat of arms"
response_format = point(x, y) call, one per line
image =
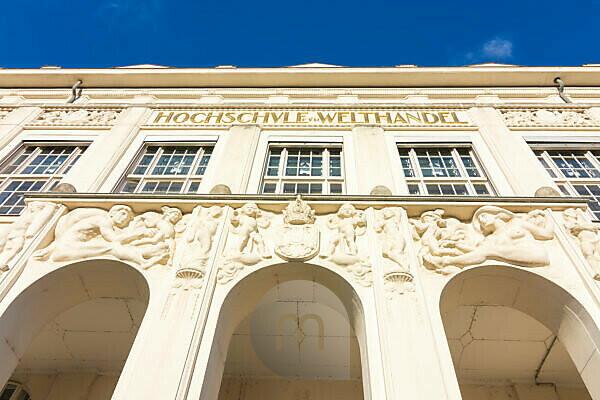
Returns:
point(299, 237)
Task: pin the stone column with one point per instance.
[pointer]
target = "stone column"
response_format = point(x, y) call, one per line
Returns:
point(231, 162)
point(105, 152)
point(13, 123)
point(512, 154)
point(373, 166)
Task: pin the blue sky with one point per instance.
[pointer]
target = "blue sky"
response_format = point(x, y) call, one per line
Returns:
point(184, 33)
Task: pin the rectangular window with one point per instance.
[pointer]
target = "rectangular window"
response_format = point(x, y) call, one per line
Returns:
point(167, 169)
point(575, 171)
point(311, 170)
point(443, 171)
point(34, 168)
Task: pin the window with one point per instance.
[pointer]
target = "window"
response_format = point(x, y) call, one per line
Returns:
point(14, 391)
point(443, 171)
point(314, 170)
point(34, 168)
point(575, 171)
point(167, 169)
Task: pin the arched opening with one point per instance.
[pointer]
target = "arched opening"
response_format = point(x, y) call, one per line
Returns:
point(289, 331)
point(68, 335)
point(516, 335)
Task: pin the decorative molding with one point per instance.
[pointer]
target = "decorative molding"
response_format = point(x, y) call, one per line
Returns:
point(448, 245)
point(77, 117)
point(4, 112)
point(549, 117)
point(587, 236)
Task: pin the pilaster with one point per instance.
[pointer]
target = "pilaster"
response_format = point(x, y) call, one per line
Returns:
point(232, 158)
point(373, 166)
point(105, 152)
point(512, 154)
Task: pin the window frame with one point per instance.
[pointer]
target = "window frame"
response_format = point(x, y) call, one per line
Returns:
point(187, 180)
point(19, 390)
point(465, 179)
point(325, 179)
point(50, 180)
point(566, 185)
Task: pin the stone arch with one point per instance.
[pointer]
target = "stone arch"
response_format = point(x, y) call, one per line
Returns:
point(108, 291)
point(538, 298)
point(244, 296)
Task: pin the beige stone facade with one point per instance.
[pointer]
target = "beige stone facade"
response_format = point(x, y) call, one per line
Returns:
point(303, 233)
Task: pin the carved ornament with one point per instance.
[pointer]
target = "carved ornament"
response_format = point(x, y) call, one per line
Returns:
point(549, 117)
point(15, 236)
point(448, 245)
point(587, 235)
point(146, 240)
point(397, 277)
point(245, 243)
point(298, 238)
point(345, 226)
point(77, 117)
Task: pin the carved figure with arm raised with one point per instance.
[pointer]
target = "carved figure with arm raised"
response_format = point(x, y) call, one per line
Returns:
point(87, 233)
point(160, 247)
point(347, 224)
point(14, 236)
point(506, 237)
point(587, 236)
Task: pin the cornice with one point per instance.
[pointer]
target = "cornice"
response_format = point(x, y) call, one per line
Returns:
point(487, 76)
point(461, 207)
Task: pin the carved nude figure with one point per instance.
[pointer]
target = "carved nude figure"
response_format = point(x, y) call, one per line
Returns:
point(160, 247)
point(393, 243)
point(199, 235)
point(14, 236)
point(506, 237)
point(247, 244)
point(441, 236)
point(92, 232)
point(587, 235)
point(347, 223)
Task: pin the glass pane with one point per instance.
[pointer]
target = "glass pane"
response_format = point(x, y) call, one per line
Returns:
point(316, 188)
point(335, 188)
point(8, 391)
point(129, 186)
point(433, 190)
point(413, 189)
point(460, 190)
point(302, 188)
point(269, 188)
point(194, 186)
point(289, 188)
point(481, 189)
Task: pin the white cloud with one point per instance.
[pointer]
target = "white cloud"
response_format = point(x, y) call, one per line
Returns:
point(497, 49)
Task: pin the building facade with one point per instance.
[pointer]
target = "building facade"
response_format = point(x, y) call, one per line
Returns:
point(310, 232)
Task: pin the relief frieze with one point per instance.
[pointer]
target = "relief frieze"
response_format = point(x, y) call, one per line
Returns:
point(77, 117)
point(575, 117)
